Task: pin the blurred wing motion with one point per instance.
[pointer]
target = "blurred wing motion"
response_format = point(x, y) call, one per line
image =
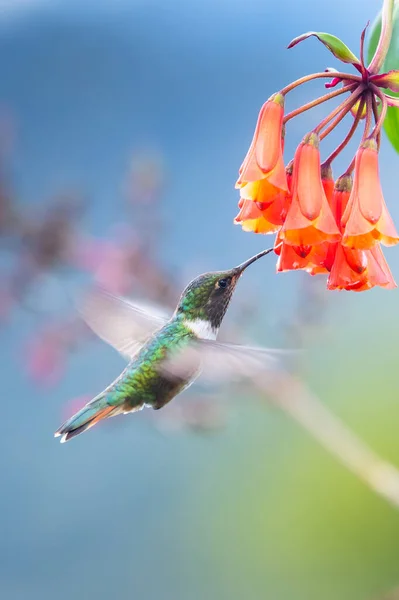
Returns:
point(118, 322)
point(220, 362)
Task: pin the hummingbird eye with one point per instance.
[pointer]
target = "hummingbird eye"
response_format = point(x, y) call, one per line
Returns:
point(223, 283)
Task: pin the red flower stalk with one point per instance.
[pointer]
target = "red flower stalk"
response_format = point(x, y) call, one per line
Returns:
point(309, 220)
point(264, 159)
point(366, 219)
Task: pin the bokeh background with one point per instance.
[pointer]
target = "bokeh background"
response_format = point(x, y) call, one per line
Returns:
point(123, 123)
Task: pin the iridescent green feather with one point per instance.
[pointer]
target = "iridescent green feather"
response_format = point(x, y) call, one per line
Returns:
point(142, 381)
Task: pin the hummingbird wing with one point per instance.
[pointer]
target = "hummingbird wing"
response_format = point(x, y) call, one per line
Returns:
point(222, 362)
point(117, 321)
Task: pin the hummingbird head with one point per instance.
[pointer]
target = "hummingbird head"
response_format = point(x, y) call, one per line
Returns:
point(205, 300)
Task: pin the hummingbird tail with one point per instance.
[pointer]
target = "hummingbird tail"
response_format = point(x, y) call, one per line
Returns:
point(89, 415)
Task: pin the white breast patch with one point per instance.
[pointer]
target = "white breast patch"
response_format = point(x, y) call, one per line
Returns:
point(202, 329)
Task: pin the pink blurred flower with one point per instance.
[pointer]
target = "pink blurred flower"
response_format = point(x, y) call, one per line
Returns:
point(111, 263)
point(45, 357)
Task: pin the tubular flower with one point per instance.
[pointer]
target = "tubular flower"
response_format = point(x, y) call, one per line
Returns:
point(251, 218)
point(323, 254)
point(366, 219)
point(263, 207)
point(262, 218)
point(322, 227)
point(292, 258)
point(307, 258)
point(309, 220)
point(351, 268)
point(327, 181)
point(360, 270)
point(264, 159)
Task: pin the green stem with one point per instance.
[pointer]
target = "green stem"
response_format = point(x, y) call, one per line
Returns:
point(307, 78)
point(385, 37)
point(349, 135)
point(309, 105)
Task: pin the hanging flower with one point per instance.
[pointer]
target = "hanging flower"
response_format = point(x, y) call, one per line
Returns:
point(322, 228)
point(360, 270)
point(366, 219)
point(264, 159)
point(309, 220)
point(308, 258)
point(351, 268)
point(263, 208)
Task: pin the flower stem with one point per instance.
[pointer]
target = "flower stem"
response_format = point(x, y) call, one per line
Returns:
point(320, 100)
point(336, 121)
point(385, 37)
point(294, 84)
point(383, 113)
point(365, 133)
point(369, 112)
point(348, 102)
point(375, 113)
point(349, 135)
point(349, 170)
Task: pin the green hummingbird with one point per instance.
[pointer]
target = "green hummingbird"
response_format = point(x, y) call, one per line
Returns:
point(165, 356)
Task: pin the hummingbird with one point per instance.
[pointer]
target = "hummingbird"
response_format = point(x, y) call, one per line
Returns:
point(165, 356)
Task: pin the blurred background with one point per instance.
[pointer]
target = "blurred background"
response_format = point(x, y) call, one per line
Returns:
point(122, 127)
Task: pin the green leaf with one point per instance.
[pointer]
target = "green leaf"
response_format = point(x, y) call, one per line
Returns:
point(391, 126)
point(334, 44)
point(391, 63)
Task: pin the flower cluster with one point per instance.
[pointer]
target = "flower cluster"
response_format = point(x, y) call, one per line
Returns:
point(323, 226)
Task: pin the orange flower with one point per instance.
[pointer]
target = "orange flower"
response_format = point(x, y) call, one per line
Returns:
point(291, 258)
point(307, 258)
point(360, 270)
point(337, 197)
point(263, 207)
point(366, 219)
point(323, 254)
point(327, 181)
point(260, 191)
point(262, 218)
point(351, 268)
point(311, 259)
point(264, 159)
point(251, 218)
point(309, 220)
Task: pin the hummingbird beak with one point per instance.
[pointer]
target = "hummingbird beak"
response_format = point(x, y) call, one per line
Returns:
point(241, 268)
